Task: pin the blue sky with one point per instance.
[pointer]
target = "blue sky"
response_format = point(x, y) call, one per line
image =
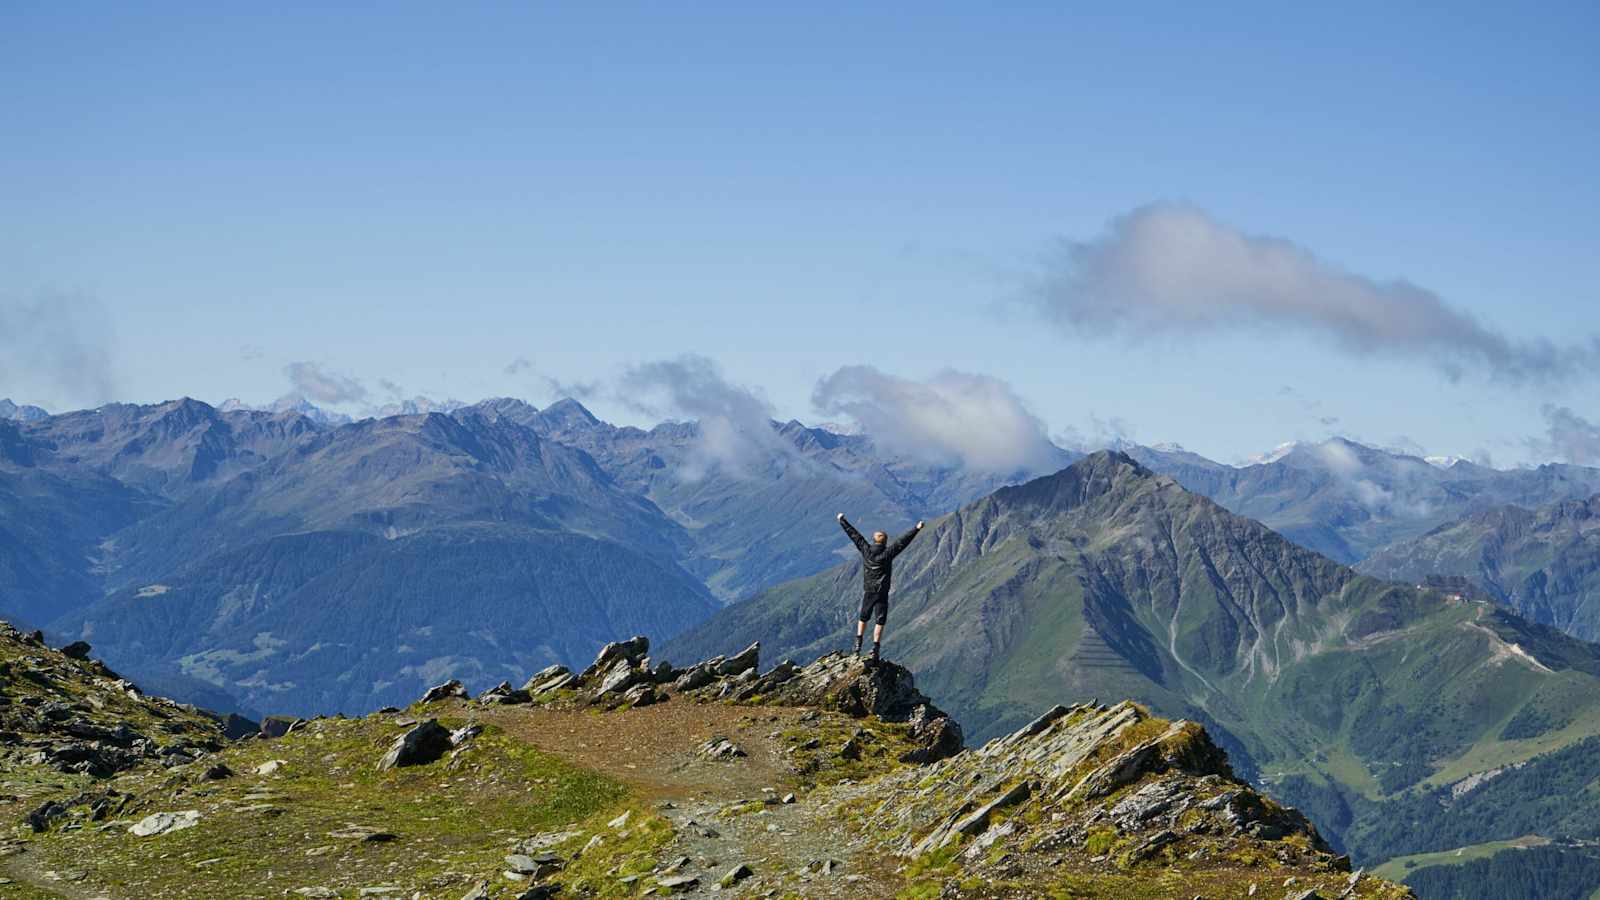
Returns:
point(193, 198)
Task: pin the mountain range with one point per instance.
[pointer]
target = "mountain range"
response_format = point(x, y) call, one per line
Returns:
point(1542, 562)
point(277, 560)
point(1403, 720)
point(1346, 500)
point(23, 413)
point(214, 551)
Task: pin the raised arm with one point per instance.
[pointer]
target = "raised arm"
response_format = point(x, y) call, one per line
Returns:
point(903, 540)
point(855, 536)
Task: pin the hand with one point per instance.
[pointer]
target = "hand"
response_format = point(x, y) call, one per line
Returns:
point(919, 526)
point(841, 517)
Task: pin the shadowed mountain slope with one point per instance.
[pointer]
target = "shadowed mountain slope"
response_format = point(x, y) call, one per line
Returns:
point(1544, 563)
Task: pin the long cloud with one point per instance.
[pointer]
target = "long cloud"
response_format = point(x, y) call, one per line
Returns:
point(1168, 269)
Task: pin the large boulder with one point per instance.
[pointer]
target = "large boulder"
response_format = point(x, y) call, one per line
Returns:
point(847, 684)
point(549, 679)
point(76, 650)
point(641, 695)
point(236, 727)
point(503, 693)
point(163, 822)
point(420, 745)
point(938, 736)
point(741, 662)
point(449, 689)
point(633, 650)
point(697, 676)
point(622, 675)
point(662, 672)
point(275, 726)
point(856, 688)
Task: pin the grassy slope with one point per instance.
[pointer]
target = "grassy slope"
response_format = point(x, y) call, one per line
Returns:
point(454, 820)
point(260, 835)
point(1396, 869)
point(1337, 688)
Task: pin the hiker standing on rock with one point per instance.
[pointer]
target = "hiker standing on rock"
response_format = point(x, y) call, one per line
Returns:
point(877, 565)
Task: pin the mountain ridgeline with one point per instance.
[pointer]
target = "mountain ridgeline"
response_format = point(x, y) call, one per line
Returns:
point(280, 561)
point(1543, 563)
point(1347, 500)
point(835, 779)
point(1401, 719)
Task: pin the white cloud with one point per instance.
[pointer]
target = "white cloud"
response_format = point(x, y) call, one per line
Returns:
point(56, 350)
point(735, 422)
point(952, 418)
point(1568, 437)
point(322, 385)
point(1168, 269)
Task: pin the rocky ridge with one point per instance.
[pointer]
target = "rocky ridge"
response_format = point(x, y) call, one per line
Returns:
point(64, 713)
point(624, 676)
point(869, 793)
point(1111, 792)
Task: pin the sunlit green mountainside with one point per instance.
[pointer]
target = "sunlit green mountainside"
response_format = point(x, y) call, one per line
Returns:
point(1543, 563)
point(301, 565)
point(1389, 714)
point(1347, 500)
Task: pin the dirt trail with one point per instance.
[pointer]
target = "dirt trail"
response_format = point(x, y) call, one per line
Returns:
point(653, 749)
point(713, 804)
point(31, 880)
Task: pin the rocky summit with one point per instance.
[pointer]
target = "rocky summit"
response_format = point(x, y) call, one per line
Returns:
point(67, 721)
point(632, 778)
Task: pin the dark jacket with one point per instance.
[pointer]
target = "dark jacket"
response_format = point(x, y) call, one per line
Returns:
point(877, 560)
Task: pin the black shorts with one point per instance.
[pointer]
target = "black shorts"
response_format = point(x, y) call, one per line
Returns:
point(875, 605)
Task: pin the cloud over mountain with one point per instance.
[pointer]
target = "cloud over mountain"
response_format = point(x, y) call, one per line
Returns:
point(735, 421)
point(58, 346)
point(1568, 436)
point(954, 417)
point(322, 385)
point(1170, 269)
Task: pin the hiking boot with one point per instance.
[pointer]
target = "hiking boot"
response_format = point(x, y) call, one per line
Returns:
point(857, 650)
point(875, 647)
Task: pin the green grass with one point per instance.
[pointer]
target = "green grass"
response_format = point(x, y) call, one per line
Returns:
point(454, 819)
point(633, 850)
point(882, 745)
point(20, 891)
point(1397, 868)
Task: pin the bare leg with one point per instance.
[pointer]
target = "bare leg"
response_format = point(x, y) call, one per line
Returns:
point(877, 633)
point(861, 626)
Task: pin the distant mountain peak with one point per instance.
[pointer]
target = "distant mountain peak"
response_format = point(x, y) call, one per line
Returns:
point(1273, 455)
point(297, 403)
point(1101, 472)
point(417, 406)
point(21, 412)
point(570, 410)
point(509, 408)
